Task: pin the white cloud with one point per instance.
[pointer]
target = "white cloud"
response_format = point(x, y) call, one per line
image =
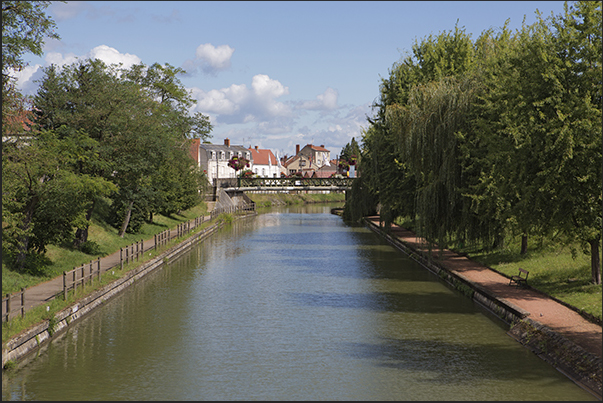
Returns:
point(105, 53)
point(111, 55)
point(26, 77)
point(265, 87)
point(326, 101)
point(209, 59)
point(241, 104)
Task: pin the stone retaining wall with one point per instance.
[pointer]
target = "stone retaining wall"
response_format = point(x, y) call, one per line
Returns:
point(30, 341)
point(577, 364)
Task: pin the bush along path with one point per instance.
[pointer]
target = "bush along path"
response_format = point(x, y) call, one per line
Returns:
point(20, 345)
point(17, 304)
point(555, 332)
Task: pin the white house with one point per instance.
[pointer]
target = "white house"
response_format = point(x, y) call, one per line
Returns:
point(213, 158)
point(265, 164)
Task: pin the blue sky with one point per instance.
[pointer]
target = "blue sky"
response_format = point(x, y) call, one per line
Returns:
point(270, 74)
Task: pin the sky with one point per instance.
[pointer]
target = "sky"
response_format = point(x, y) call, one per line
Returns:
point(270, 74)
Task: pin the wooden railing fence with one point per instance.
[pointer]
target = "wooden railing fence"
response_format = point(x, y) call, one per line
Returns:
point(86, 273)
point(6, 303)
point(129, 253)
point(78, 276)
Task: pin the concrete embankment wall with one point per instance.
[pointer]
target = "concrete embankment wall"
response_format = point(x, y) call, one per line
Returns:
point(38, 336)
point(577, 364)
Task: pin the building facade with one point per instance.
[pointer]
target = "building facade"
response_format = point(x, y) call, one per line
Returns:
point(265, 164)
point(213, 159)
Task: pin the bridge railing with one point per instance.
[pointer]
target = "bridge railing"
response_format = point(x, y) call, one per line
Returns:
point(296, 182)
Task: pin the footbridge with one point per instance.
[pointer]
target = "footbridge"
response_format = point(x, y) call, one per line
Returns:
point(284, 184)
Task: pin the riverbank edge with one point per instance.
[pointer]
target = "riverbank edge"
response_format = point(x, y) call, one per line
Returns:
point(24, 345)
point(580, 366)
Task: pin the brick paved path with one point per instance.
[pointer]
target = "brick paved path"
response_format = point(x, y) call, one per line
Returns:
point(542, 308)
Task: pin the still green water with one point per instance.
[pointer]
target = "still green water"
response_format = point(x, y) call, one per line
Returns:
point(289, 305)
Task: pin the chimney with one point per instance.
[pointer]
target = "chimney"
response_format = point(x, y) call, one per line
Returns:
point(322, 146)
point(296, 149)
point(227, 142)
point(256, 148)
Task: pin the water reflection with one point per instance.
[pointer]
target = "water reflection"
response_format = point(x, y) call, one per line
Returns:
point(289, 306)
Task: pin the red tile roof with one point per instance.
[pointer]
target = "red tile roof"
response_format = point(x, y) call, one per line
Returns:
point(261, 156)
point(317, 148)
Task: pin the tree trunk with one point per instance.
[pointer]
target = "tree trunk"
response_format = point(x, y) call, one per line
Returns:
point(524, 244)
point(23, 241)
point(595, 261)
point(124, 225)
point(81, 234)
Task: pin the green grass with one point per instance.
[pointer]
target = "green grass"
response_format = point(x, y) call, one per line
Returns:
point(46, 311)
point(553, 271)
point(275, 199)
point(105, 236)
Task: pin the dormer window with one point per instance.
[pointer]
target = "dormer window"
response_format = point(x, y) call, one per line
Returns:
point(213, 155)
point(222, 155)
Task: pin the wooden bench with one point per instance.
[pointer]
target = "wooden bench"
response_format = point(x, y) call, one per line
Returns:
point(520, 278)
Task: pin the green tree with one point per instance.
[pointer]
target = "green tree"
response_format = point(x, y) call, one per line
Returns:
point(25, 26)
point(542, 120)
point(43, 199)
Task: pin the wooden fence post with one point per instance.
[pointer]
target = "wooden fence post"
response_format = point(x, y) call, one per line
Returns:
point(99, 270)
point(22, 302)
point(65, 285)
point(7, 307)
point(121, 258)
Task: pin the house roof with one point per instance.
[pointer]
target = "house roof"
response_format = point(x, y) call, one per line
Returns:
point(262, 157)
point(323, 174)
point(18, 121)
point(316, 148)
point(291, 160)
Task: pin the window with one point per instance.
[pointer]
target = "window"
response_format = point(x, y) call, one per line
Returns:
point(222, 155)
point(213, 155)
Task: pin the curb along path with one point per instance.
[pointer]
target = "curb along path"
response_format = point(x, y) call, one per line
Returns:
point(542, 311)
point(45, 292)
point(36, 337)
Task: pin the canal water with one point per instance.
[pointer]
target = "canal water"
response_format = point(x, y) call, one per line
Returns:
point(292, 304)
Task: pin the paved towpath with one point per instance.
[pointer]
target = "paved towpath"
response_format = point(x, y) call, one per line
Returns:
point(542, 309)
point(45, 292)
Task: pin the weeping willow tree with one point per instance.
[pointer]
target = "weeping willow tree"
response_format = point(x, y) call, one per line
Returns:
point(430, 131)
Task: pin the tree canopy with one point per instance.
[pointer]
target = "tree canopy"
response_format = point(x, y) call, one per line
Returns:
point(475, 139)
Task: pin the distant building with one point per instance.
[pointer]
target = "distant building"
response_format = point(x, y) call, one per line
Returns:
point(213, 158)
point(308, 160)
point(265, 164)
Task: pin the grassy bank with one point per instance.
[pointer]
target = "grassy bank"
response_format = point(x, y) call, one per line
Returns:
point(554, 269)
point(282, 199)
point(104, 240)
